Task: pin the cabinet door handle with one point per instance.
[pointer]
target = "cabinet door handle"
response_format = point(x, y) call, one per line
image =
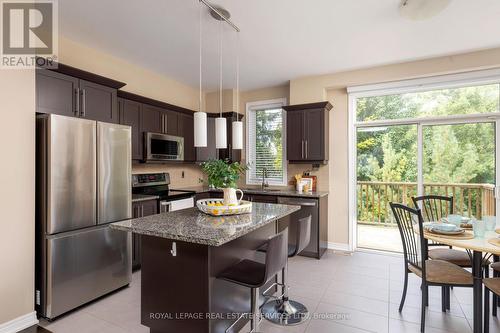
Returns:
point(142, 210)
point(302, 147)
point(307, 153)
point(84, 103)
point(164, 124)
point(77, 102)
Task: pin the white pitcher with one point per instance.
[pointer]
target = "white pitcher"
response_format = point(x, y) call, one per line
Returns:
point(230, 197)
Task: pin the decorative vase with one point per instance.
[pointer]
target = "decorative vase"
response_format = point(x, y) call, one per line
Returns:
point(230, 197)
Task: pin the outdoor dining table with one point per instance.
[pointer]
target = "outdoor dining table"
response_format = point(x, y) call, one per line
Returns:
point(479, 249)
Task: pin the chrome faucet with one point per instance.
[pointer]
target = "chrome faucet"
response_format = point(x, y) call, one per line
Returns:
point(264, 181)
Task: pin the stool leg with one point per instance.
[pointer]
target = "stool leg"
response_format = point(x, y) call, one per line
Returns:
point(254, 303)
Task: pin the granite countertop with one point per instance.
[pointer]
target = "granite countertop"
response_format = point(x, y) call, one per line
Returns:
point(143, 197)
point(285, 192)
point(191, 225)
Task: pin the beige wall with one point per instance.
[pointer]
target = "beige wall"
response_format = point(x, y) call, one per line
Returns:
point(17, 193)
point(139, 81)
point(332, 87)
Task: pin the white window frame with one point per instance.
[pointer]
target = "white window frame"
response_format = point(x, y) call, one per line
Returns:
point(266, 104)
point(472, 78)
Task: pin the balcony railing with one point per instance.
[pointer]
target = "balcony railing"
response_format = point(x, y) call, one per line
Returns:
point(373, 199)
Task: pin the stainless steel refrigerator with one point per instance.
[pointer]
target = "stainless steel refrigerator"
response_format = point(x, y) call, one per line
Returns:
point(83, 182)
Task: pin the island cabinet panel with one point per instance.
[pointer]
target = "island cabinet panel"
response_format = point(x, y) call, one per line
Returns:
point(173, 286)
point(186, 130)
point(98, 102)
point(307, 132)
point(56, 93)
point(130, 114)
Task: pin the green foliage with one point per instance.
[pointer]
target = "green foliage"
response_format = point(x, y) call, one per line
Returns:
point(452, 154)
point(462, 153)
point(222, 173)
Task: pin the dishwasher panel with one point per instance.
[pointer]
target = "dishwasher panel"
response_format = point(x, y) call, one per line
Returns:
point(308, 207)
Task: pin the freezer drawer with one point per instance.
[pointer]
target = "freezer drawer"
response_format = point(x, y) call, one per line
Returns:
point(83, 265)
point(114, 156)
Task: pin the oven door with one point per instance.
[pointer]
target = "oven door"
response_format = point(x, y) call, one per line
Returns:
point(163, 147)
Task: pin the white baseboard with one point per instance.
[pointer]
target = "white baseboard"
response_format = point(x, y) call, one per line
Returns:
point(19, 323)
point(339, 246)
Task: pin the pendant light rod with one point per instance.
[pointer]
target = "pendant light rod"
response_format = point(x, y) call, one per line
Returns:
point(237, 74)
point(221, 15)
point(200, 59)
point(220, 69)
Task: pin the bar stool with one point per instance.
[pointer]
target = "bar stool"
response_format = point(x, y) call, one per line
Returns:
point(254, 275)
point(282, 310)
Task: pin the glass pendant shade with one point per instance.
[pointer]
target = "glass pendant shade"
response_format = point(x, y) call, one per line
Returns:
point(200, 129)
point(237, 135)
point(220, 133)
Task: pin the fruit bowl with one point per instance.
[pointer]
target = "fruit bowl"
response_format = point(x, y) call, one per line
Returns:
point(216, 207)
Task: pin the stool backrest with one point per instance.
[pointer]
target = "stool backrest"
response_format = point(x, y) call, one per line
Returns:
point(434, 207)
point(303, 235)
point(276, 254)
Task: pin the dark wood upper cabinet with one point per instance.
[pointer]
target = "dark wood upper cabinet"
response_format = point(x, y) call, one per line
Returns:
point(98, 102)
point(186, 130)
point(307, 132)
point(171, 123)
point(209, 152)
point(314, 135)
point(56, 93)
point(73, 92)
point(151, 119)
point(233, 155)
point(130, 114)
point(294, 136)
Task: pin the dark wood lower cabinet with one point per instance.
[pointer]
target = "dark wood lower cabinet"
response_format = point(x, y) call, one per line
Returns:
point(141, 209)
point(178, 292)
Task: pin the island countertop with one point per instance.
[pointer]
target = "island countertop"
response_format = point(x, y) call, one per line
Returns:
point(191, 225)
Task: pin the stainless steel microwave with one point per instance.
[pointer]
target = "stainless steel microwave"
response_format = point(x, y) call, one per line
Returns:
point(163, 147)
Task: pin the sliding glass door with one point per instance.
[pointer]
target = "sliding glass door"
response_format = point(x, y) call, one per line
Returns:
point(437, 141)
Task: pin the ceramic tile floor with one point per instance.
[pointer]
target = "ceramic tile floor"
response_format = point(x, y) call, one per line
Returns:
point(362, 289)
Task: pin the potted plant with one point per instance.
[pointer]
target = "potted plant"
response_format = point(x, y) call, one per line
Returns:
point(224, 175)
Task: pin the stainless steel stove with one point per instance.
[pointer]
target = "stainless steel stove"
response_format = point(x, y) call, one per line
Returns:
point(158, 184)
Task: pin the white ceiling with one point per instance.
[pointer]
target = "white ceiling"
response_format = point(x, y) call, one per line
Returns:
point(280, 39)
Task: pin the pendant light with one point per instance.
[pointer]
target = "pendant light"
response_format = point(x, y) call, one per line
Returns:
point(237, 125)
point(220, 122)
point(200, 117)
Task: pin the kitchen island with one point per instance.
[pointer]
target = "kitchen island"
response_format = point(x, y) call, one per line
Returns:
point(184, 251)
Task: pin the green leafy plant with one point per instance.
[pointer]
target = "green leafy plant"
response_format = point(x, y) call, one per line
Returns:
point(222, 173)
